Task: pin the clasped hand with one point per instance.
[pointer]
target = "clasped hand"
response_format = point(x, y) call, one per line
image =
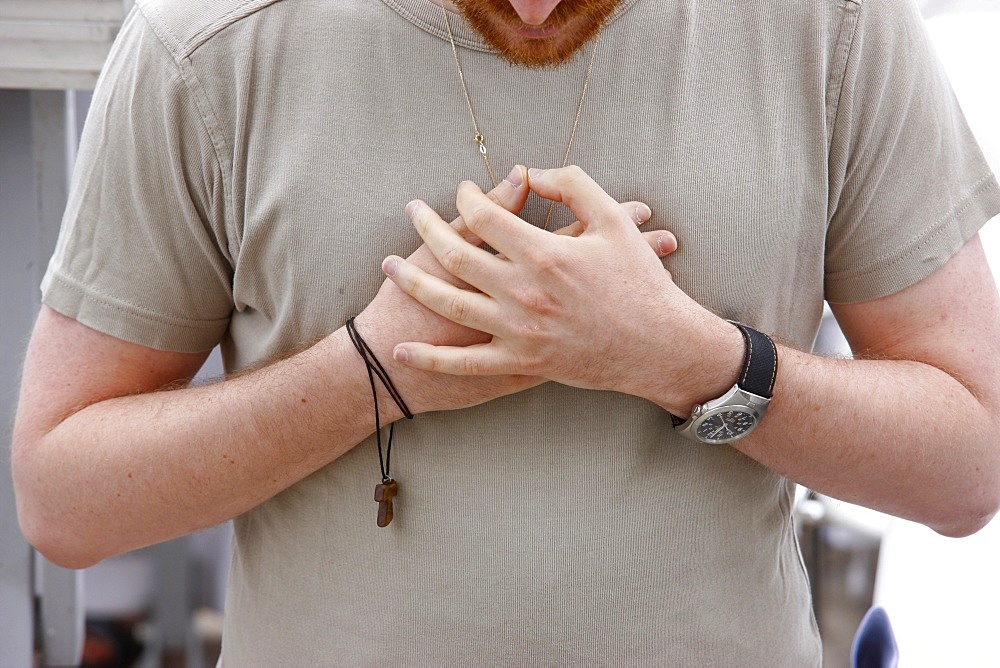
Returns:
point(589, 308)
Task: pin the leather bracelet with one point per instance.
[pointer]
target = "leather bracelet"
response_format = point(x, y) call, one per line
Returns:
point(386, 490)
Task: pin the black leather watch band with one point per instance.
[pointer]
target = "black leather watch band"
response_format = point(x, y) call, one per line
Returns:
point(760, 362)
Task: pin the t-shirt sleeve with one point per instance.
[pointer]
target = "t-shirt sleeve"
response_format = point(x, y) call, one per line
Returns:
point(908, 183)
point(143, 253)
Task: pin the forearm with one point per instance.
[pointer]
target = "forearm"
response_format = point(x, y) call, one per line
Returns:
point(130, 471)
point(914, 438)
point(898, 436)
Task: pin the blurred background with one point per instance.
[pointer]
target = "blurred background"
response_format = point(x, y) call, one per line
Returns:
point(163, 606)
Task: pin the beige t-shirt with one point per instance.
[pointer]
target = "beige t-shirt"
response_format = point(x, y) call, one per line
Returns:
point(244, 171)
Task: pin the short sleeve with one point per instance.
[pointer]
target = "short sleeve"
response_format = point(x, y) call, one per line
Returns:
point(143, 253)
point(908, 183)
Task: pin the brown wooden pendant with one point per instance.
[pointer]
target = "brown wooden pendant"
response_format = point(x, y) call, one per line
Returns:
point(384, 493)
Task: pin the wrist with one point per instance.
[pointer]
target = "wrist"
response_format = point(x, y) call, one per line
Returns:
point(739, 411)
point(354, 364)
point(713, 368)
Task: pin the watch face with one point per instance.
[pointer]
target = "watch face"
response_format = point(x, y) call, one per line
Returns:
point(726, 425)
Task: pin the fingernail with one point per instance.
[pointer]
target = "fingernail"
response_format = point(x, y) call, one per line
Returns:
point(400, 355)
point(411, 207)
point(643, 213)
point(389, 266)
point(515, 178)
point(534, 173)
point(666, 243)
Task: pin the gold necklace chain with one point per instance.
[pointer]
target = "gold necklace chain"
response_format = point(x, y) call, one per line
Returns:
point(481, 140)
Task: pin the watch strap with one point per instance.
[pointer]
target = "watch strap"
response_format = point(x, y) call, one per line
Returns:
point(760, 362)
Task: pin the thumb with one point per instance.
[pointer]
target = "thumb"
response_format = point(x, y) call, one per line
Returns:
point(509, 193)
point(592, 206)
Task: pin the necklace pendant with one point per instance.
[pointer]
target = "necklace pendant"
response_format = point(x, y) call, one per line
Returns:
point(481, 140)
point(384, 493)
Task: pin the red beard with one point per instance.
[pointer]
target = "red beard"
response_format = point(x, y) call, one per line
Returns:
point(575, 22)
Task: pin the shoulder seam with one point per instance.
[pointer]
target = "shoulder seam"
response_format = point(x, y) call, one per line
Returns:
point(188, 78)
point(183, 46)
point(845, 45)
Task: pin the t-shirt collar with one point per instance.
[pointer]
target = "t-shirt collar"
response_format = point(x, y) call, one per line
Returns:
point(427, 16)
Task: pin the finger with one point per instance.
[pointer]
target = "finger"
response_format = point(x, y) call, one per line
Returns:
point(463, 260)
point(584, 197)
point(465, 307)
point(510, 193)
point(638, 211)
point(574, 229)
point(502, 230)
point(661, 241)
point(482, 359)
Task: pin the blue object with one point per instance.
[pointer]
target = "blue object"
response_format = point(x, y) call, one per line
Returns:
point(874, 643)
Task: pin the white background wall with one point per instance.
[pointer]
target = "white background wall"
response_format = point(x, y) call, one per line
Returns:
point(968, 43)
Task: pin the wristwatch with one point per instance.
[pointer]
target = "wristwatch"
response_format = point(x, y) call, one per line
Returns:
point(737, 412)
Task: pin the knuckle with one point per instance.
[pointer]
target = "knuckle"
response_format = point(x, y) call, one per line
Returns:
point(546, 263)
point(478, 217)
point(499, 196)
point(428, 363)
point(532, 365)
point(551, 264)
point(454, 260)
point(413, 284)
point(456, 308)
point(575, 174)
point(537, 301)
point(472, 366)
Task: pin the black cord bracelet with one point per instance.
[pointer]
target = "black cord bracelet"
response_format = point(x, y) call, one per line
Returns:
point(386, 490)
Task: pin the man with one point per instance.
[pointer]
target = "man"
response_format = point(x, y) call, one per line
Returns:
point(245, 171)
